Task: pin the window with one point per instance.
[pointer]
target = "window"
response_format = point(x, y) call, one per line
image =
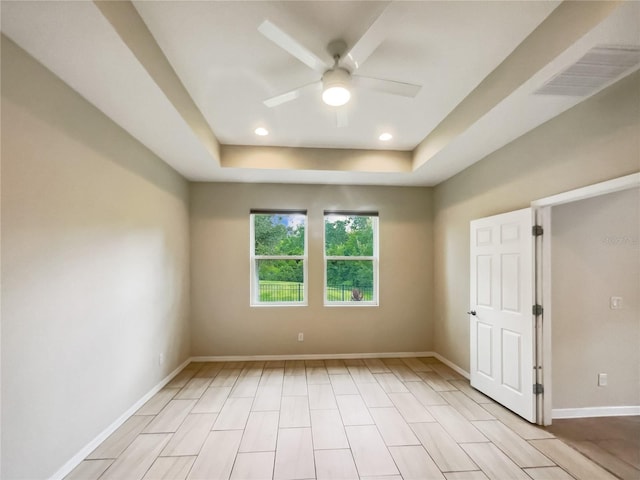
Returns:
point(278, 257)
point(351, 258)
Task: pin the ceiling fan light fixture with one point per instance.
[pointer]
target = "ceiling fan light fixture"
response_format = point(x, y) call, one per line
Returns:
point(336, 96)
point(335, 87)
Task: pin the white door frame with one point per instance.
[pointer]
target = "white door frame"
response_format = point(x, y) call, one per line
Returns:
point(542, 211)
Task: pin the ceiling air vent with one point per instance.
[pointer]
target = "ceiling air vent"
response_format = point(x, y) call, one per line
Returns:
point(599, 66)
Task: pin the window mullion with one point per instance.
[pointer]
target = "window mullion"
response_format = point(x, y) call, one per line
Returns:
point(279, 257)
point(349, 258)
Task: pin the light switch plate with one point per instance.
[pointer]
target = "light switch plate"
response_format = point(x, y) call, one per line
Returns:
point(602, 379)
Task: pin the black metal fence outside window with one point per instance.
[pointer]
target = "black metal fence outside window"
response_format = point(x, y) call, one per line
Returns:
point(349, 293)
point(281, 292)
point(294, 292)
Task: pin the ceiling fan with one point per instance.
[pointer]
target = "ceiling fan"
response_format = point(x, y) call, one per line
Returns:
point(338, 79)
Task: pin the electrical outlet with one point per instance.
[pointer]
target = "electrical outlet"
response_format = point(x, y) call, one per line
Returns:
point(615, 303)
point(161, 359)
point(602, 379)
point(301, 337)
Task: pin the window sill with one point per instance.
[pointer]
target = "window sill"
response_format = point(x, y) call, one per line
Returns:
point(276, 304)
point(351, 304)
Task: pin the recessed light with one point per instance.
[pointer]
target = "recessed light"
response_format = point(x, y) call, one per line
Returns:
point(261, 131)
point(385, 137)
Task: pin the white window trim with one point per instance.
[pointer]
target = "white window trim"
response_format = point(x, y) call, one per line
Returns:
point(375, 258)
point(253, 271)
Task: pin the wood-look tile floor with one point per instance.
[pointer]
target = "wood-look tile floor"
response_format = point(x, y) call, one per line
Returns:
point(613, 442)
point(373, 419)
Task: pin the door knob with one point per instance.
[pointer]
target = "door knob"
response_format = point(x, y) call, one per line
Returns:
point(472, 312)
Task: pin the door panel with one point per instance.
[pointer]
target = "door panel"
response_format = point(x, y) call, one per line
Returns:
point(511, 359)
point(509, 232)
point(483, 237)
point(510, 294)
point(484, 349)
point(501, 294)
point(483, 280)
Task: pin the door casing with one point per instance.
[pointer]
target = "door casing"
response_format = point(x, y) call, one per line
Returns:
point(543, 211)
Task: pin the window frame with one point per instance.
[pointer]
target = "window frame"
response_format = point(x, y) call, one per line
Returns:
point(375, 258)
point(254, 281)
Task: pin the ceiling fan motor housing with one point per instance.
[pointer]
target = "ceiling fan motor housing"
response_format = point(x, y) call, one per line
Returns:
point(336, 77)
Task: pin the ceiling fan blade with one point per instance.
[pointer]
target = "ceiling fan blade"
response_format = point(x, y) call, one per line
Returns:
point(342, 118)
point(371, 39)
point(386, 86)
point(291, 94)
point(292, 46)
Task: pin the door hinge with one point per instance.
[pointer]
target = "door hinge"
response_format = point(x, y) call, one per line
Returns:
point(538, 388)
point(536, 230)
point(537, 310)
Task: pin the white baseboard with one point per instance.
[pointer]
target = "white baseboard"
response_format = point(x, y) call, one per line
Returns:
point(310, 356)
point(595, 412)
point(452, 365)
point(74, 461)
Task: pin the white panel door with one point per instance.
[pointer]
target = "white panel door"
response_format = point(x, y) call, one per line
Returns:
point(501, 319)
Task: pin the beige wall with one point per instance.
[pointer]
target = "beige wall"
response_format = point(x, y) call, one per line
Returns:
point(596, 256)
point(94, 270)
point(225, 324)
point(597, 140)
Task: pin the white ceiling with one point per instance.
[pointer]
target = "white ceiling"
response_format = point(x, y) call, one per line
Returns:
point(228, 68)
